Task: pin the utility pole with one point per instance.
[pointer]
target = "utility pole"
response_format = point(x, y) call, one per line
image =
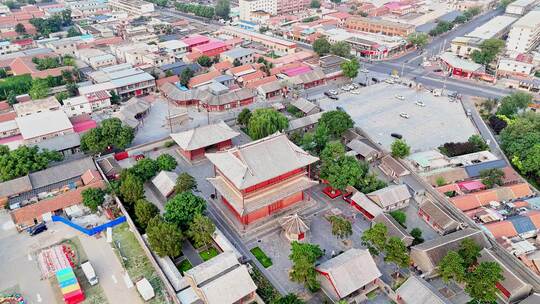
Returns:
point(402, 68)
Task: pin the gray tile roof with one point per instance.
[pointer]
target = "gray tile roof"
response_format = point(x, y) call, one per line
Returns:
point(303, 105)
point(417, 291)
point(303, 122)
point(61, 172)
point(15, 186)
point(60, 143)
point(394, 228)
point(351, 270)
point(204, 136)
point(261, 160)
point(390, 195)
point(362, 148)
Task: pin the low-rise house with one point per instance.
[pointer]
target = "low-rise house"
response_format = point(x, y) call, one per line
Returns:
point(32, 198)
point(309, 79)
point(366, 206)
point(220, 280)
point(391, 198)
point(391, 167)
point(350, 275)
point(512, 288)
point(165, 182)
point(426, 256)
point(240, 54)
point(483, 198)
point(367, 152)
point(37, 106)
point(124, 79)
point(176, 47)
point(260, 178)
point(87, 103)
point(307, 107)
point(210, 49)
point(436, 217)
point(96, 58)
point(305, 123)
point(178, 67)
point(417, 291)
point(394, 228)
point(37, 127)
point(194, 143)
point(269, 90)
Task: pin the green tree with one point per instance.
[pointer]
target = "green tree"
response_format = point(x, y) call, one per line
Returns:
point(3, 73)
point(23, 160)
point(369, 182)
point(492, 177)
point(478, 143)
point(396, 252)
point(341, 49)
point(244, 116)
point(93, 198)
point(166, 162)
point(469, 251)
point(164, 238)
point(321, 46)
point(350, 68)
point(185, 182)
point(303, 257)
point(332, 152)
point(205, 61)
point(340, 227)
point(343, 172)
point(185, 76)
point(315, 4)
point(73, 32)
point(375, 238)
point(290, 298)
point(416, 233)
point(264, 122)
point(131, 188)
point(400, 217)
point(183, 207)
point(481, 283)
point(418, 39)
point(489, 49)
point(513, 103)
point(11, 98)
point(337, 122)
point(17, 84)
point(223, 8)
point(115, 99)
point(504, 3)
point(451, 267)
point(440, 181)
point(144, 212)
point(400, 148)
point(39, 89)
point(20, 29)
point(145, 169)
point(201, 230)
point(111, 133)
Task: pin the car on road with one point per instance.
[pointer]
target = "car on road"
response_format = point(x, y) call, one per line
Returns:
point(399, 97)
point(420, 103)
point(37, 229)
point(389, 81)
point(404, 115)
point(396, 135)
point(437, 70)
point(355, 92)
point(364, 70)
point(468, 111)
point(333, 92)
point(333, 97)
point(394, 76)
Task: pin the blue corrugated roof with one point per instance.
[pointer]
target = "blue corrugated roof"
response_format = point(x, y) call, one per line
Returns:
point(534, 202)
point(474, 170)
point(522, 224)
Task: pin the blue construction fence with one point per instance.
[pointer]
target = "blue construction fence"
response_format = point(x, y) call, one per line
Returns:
point(91, 231)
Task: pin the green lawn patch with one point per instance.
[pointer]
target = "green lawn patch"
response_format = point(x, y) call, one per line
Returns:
point(208, 254)
point(262, 257)
point(372, 294)
point(184, 266)
point(135, 261)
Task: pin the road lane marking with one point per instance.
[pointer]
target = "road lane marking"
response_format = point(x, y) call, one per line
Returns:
point(114, 279)
point(38, 296)
point(29, 257)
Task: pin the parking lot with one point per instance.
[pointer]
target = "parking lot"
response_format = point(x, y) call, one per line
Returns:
point(21, 273)
point(376, 110)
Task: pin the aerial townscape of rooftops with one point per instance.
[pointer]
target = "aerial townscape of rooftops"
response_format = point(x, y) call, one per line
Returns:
point(269, 151)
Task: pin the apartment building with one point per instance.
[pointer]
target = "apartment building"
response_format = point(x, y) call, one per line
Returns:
point(385, 27)
point(524, 35)
point(246, 7)
point(242, 55)
point(132, 7)
point(521, 7)
point(279, 46)
point(177, 47)
point(124, 79)
point(87, 7)
point(87, 103)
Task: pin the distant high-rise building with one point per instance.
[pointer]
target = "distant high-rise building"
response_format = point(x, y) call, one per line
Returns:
point(273, 7)
point(524, 35)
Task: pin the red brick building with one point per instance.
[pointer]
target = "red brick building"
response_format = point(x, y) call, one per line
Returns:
point(192, 144)
point(261, 178)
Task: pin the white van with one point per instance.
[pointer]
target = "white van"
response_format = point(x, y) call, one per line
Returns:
point(89, 273)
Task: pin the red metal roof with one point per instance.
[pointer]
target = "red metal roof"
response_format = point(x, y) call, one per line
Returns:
point(195, 39)
point(84, 126)
point(472, 185)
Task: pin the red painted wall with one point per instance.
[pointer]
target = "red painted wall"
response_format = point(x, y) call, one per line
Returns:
point(274, 180)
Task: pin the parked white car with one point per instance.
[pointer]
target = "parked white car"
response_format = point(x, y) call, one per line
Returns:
point(404, 115)
point(333, 92)
point(364, 70)
point(420, 103)
point(390, 81)
point(400, 97)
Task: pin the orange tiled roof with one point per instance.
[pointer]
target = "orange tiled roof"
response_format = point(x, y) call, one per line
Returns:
point(73, 197)
point(51, 72)
point(197, 80)
point(222, 66)
point(483, 198)
point(257, 83)
point(500, 229)
point(449, 187)
point(243, 68)
point(253, 76)
point(170, 79)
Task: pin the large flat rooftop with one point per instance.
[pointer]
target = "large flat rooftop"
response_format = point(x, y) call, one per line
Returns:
point(376, 110)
